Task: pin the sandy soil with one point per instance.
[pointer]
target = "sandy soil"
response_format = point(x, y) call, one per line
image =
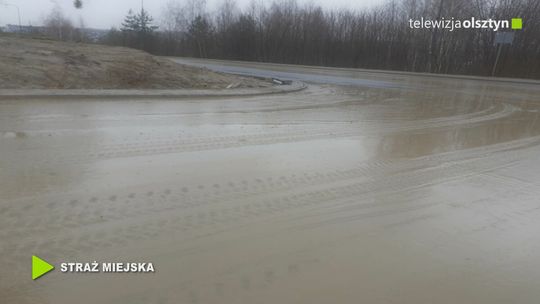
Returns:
point(388, 189)
point(47, 64)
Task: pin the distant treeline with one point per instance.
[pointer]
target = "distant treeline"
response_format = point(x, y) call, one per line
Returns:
point(374, 38)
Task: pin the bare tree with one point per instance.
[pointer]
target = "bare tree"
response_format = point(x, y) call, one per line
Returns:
point(378, 37)
point(58, 25)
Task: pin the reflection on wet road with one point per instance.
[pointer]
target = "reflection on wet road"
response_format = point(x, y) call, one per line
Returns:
point(364, 188)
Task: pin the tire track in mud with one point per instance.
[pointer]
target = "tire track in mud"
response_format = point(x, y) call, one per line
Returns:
point(236, 189)
point(85, 225)
point(122, 218)
point(225, 286)
point(167, 146)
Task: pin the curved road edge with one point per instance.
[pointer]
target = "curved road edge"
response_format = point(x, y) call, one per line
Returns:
point(295, 86)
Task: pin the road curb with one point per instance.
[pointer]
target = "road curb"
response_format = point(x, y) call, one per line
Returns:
point(57, 93)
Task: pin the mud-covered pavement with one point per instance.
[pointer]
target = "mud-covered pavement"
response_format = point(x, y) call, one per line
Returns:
point(369, 188)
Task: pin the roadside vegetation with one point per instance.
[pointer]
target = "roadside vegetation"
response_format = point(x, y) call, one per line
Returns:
point(376, 38)
point(284, 31)
point(48, 64)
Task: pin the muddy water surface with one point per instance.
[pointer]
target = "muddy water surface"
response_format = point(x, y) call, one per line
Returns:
point(363, 188)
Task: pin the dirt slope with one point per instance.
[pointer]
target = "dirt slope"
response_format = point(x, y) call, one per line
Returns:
point(46, 64)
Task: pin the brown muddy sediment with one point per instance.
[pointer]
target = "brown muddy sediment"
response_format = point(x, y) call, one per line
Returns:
point(418, 191)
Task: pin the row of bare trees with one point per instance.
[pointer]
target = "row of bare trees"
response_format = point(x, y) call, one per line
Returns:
point(379, 38)
point(56, 25)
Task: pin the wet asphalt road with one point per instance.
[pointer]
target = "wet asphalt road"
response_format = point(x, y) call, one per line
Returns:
point(365, 187)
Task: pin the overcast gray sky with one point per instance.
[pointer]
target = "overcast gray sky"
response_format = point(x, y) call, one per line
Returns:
point(107, 13)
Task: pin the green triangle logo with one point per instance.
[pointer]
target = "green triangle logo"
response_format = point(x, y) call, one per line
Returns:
point(40, 267)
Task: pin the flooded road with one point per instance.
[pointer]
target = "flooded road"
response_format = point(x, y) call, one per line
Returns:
point(365, 187)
